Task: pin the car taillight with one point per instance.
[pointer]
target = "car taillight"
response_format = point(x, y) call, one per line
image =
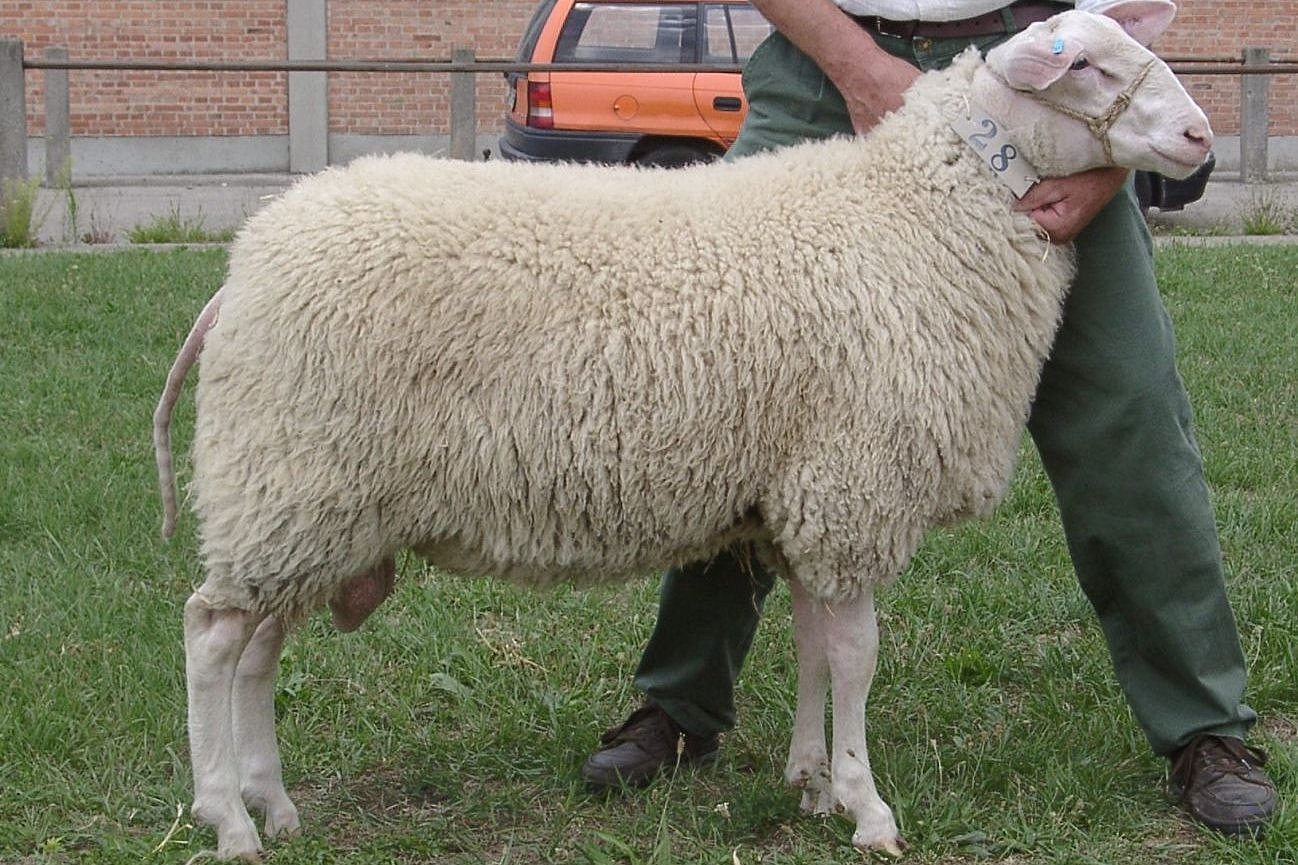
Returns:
point(540, 108)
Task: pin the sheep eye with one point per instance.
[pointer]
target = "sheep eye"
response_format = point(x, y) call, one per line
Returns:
point(1079, 64)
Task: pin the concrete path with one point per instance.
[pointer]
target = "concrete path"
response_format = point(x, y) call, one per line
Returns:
point(105, 211)
point(1228, 205)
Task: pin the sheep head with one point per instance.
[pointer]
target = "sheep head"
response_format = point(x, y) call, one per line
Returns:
point(1079, 91)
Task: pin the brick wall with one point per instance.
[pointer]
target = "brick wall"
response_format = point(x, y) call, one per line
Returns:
point(383, 103)
point(1223, 28)
point(153, 103)
point(175, 103)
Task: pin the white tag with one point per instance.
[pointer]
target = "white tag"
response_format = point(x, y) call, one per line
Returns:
point(999, 154)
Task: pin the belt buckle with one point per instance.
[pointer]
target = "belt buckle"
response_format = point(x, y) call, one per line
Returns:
point(908, 26)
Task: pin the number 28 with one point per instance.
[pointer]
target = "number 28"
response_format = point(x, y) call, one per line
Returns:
point(1001, 159)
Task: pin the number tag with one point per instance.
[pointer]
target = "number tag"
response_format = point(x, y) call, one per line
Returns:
point(989, 141)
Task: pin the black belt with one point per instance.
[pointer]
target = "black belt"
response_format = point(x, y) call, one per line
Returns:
point(1010, 19)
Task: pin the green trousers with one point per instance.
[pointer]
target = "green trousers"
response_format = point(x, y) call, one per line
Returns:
point(1112, 423)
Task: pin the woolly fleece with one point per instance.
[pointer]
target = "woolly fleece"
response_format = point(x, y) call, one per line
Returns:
point(563, 373)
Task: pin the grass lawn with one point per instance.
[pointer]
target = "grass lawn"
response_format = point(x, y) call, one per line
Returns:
point(451, 727)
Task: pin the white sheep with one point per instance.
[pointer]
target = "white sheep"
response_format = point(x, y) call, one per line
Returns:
point(575, 373)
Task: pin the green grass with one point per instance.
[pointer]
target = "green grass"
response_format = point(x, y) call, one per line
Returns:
point(175, 228)
point(1266, 214)
point(451, 727)
point(19, 220)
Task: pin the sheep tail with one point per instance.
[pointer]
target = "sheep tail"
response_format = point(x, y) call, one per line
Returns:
point(189, 353)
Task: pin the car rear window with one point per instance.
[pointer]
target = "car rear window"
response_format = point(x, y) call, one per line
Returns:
point(628, 33)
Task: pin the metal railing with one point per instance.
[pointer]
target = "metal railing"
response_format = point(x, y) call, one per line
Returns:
point(1255, 65)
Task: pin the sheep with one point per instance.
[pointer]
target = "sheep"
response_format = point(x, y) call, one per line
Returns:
point(574, 373)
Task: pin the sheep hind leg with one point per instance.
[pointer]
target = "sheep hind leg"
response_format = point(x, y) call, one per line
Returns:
point(852, 647)
point(214, 641)
point(808, 766)
point(260, 772)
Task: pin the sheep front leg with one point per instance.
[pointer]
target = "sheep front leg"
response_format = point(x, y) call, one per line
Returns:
point(214, 641)
point(851, 636)
point(260, 772)
point(808, 765)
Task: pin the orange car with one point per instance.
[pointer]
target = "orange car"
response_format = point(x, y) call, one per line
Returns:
point(644, 116)
point(668, 118)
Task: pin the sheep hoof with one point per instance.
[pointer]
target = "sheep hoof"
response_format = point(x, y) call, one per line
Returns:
point(890, 845)
point(225, 852)
point(283, 822)
point(876, 831)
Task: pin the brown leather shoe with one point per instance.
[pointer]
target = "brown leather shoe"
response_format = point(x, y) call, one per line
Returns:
point(1220, 782)
point(647, 744)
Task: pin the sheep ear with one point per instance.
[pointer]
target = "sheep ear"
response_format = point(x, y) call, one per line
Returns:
point(1035, 64)
point(1144, 20)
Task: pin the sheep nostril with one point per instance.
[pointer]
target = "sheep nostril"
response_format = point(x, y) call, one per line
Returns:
point(1199, 135)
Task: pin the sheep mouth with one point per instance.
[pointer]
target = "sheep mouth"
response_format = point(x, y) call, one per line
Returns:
point(1182, 166)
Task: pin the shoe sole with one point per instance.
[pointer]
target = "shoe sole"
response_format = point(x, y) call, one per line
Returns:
point(1250, 831)
point(620, 782)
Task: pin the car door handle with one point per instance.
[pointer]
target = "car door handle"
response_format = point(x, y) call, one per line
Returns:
point(727, 103)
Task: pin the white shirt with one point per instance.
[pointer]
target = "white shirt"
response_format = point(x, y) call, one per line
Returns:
point(921, 10)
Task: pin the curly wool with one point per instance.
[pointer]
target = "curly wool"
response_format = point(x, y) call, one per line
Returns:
point(567, 373)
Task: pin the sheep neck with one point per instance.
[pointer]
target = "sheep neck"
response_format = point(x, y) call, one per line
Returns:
point(975, 114)
point(987, 137)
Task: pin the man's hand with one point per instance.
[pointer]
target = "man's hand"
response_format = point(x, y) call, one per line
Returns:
point(872, 89)
point(1063, 206)
point(870, 79)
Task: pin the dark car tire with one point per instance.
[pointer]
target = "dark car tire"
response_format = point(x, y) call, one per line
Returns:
point(673, 155)
point(1145, 190)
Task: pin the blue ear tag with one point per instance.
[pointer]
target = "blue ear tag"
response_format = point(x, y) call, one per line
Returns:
point(1057, 47)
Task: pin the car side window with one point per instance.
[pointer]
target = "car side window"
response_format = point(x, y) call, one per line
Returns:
point(731, 32)
point(627, 33)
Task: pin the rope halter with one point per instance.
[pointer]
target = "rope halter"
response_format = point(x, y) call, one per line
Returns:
point(1102, 123)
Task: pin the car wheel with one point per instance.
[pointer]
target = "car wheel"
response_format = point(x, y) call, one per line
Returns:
point(1144, 184)
point(674, 156)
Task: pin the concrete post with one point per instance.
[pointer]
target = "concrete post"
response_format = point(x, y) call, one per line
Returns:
point(308, 92)
point(1253, 119)
point(464, 108)
point(13, 116)
point(58, 121)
